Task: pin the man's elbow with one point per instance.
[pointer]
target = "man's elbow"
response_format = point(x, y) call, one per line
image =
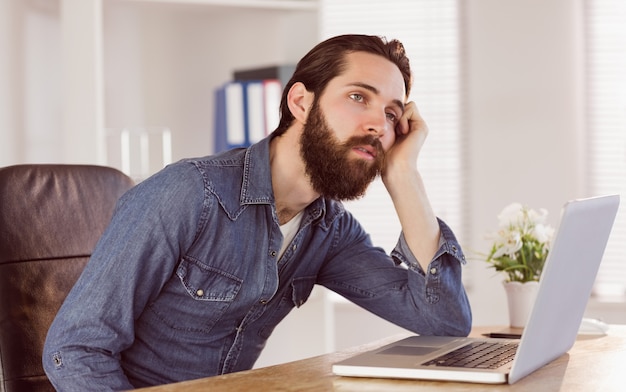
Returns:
point(460, 325)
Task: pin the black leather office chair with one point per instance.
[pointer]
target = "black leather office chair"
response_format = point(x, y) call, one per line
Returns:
point(51, 217)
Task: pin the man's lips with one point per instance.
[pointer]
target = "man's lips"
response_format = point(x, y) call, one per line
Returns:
point(366, 150)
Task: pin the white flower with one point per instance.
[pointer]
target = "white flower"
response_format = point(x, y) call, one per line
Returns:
point(543, 233)
point(511, 215)
point(508, 243)
point(538, 217)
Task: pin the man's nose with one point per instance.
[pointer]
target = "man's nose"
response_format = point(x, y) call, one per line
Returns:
point(377, 123)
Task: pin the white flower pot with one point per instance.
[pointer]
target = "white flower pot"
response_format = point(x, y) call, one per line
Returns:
point(521, 298)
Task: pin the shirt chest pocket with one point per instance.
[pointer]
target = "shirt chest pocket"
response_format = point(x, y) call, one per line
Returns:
point(197, 297)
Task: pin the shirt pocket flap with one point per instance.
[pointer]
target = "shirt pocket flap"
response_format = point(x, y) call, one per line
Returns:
point(207, 283)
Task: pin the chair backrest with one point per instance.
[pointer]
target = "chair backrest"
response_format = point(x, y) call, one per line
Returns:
point(51, 217)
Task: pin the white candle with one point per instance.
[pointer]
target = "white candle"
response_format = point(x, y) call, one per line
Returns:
point(144, 154)
point(167, 147)
point(125, 151)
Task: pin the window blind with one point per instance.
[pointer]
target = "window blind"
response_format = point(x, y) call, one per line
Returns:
point(429, 30)
point(606, 128)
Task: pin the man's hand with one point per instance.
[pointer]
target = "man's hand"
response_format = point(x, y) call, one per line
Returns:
point(411, 133)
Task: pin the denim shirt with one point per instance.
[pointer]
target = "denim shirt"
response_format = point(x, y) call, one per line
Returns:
point(185, 282)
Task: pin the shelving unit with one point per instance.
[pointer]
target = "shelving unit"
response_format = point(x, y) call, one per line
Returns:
point(149, 63)
point(184, 50)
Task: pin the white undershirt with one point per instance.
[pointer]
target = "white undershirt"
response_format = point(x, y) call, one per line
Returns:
point(289, 231)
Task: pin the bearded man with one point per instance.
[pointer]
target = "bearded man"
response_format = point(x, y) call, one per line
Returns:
point(202, 260)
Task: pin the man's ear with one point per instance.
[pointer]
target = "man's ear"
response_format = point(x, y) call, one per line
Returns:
point(299, 101)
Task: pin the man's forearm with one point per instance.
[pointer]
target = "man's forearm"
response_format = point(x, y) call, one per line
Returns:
point(418, 220)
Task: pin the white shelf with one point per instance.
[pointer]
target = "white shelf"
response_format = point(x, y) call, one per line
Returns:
point(266, 4)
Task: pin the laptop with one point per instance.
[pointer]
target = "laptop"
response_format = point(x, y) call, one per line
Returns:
point(552, 327)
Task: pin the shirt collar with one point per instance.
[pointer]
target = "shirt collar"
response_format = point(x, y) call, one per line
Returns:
point(257, 185)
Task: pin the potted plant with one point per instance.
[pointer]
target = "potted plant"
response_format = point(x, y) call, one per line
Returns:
point(520, 249)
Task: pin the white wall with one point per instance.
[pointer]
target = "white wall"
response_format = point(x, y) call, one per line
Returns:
point(525, 119)
point(10, 146)
point(30, 81)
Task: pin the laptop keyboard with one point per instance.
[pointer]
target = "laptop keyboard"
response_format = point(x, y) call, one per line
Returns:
point(481, 355)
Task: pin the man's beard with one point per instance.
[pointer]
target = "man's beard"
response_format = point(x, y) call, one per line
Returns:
point(332, 172)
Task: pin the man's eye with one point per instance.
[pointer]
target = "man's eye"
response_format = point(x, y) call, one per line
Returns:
point(392, 117)
point(357, 97)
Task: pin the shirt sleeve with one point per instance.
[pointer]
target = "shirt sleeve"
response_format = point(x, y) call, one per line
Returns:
point(447, 244)
point(396, 288)
point(132, 261)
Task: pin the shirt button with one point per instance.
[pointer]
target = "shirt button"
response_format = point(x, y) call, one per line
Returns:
point(200, 292)
point(273, 253)
point(263, 301)
point(454, 248)
point(433, 271)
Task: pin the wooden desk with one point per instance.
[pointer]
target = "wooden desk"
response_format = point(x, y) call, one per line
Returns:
point(595, 363)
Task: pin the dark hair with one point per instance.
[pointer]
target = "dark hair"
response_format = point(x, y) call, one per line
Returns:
point(327, 61)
